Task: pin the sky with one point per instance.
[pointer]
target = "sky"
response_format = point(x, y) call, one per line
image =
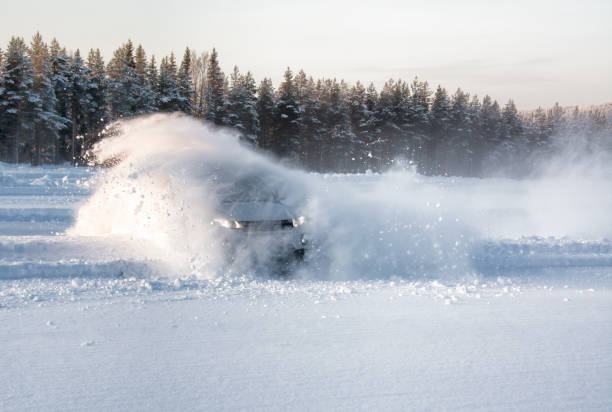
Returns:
point(535, 52)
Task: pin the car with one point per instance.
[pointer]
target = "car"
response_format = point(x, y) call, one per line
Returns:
point(257, 226)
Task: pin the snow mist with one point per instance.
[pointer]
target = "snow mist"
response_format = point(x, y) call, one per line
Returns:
point(163, 194)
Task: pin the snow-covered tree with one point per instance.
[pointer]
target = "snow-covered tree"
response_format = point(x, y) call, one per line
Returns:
point(440, 125)
point(338, 146)
point(241, 105)
point(457, 147)
point(265, 113)
point(184, 85)
point(49, 123)
point(96, 114)
point(167, 91)
point(215, 91)
point(490, 121)
point(60, 68)
point(124, 90)
point(79, 103)
point(146, 98)
point(310, 133)
point(20, 106)
point(287, 113)
point(153, 77)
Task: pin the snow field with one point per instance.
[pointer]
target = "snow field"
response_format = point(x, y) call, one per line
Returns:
point(417, 293)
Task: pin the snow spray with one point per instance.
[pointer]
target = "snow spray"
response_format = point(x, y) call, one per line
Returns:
point(163, 193)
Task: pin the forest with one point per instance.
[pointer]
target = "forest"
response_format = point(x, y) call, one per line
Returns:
point(55, 105)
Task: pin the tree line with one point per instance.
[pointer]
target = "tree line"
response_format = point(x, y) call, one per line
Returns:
point(54, 105)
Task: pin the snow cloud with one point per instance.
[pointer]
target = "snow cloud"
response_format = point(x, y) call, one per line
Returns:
point(166, 191)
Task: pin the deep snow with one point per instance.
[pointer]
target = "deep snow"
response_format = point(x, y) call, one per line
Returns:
point(417, 293)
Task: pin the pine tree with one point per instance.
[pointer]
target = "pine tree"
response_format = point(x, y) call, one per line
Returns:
point(440, 125)
point(338, 123)
point(420, 96)
point(371, 129)
point(124, 91)
point(184, 84)
point(241, 105)
point(145, 99)
point(265, 113)
point(79, 104)
point(167, 91)
point(153, 79)
point(215, 91)
point(541, 128)
point(49, 123)
point(511, 145)
point(419, 120)
point(511, 128)
point(20, 107)
point(97, 110)
point(490, 121)
point(556, 119)
point(457, 149)
point(287, 113)
point(387, 113)
point(475, 144)
point(310, 133)
point(60, 67)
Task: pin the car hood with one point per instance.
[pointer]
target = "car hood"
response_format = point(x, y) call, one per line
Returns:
point(256, 211)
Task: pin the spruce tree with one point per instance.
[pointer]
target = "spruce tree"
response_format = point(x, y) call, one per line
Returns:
point(475, 145)
point(541, 128)
point(79, 104)
point(124, 90)
point(167, 91)
point(215, 91)
point(145, 99)
point(457, 149)
point(310, 134)
point(511, 128)
point(97, 111)
point(287, 113)
point(49, 123)
point(265, 113)
point(440, 124)
point(153, 80)
point(241, 105)
point(185, 90)
point(60, 67)
point(490, 126)
point(420, 96)
point(20, 107)
point(370, 129)
point(556, 119)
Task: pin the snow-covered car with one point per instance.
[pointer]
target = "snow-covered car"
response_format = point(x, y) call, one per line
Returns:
point(252, 217)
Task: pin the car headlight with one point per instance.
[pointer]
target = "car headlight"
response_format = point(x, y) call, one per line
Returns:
point(298, 222)
point(228, 224)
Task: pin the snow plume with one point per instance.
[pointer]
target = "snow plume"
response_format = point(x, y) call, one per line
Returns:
point(164, 190)
point(570, 191)
point(164, 193)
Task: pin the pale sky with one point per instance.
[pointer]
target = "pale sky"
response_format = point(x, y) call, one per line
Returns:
point(536, 52)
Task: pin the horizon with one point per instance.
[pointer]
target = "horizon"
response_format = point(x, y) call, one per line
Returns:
point(554, 56)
